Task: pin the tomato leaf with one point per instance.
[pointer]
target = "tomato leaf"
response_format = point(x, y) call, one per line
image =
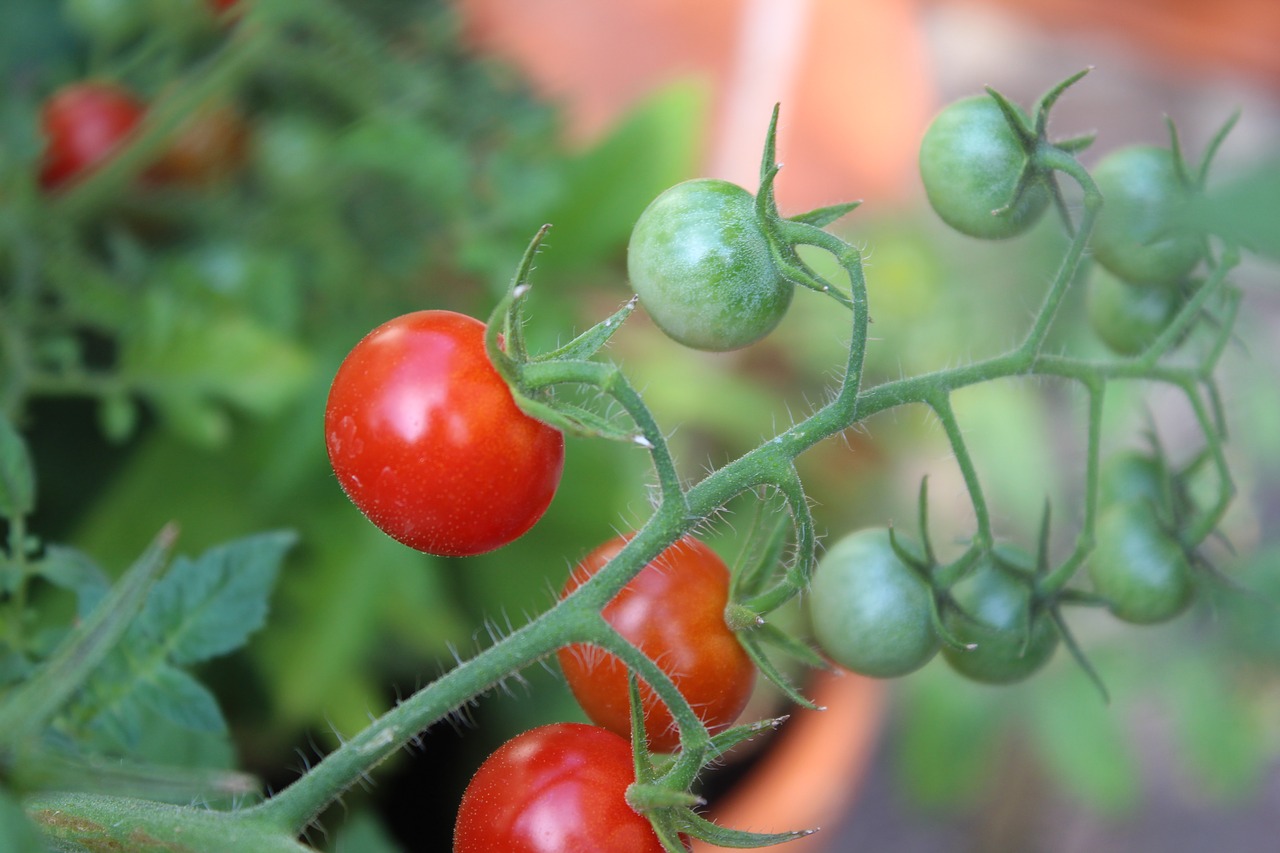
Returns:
point(17, 474)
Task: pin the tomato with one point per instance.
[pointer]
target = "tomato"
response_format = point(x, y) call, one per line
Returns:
point(673, 611)
point(871, 612)
point(1135, 236)
point(1012, 638)
point(702, 268)
point(83, 124)
point(1131, 476)
point(427, 441)
point(1129, 317)
point(559, 788)
point(207, 147)
point(222, 7)
point(1139, 567)
point(970, 164)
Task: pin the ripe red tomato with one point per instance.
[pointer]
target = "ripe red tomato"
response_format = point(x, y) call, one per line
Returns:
point(207, 147)
point(427, 441)
point(83, 124)
point(673, 611)
point(556, 789)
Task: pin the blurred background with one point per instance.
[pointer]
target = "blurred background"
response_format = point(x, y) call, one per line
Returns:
point(168, 349)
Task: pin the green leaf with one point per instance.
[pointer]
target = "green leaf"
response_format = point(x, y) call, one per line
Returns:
point(75, 572)
point(178, 697)
point(17, 832)
point(1220, 740)
point(1245, 210)
point(209, 606)
point(25, 711)
point(608, 187)
point(17, 474)
point(1085, 746)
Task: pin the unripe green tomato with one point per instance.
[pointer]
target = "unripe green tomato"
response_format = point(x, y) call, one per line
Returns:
point(109, 22)
point(1138, 567)
point(702, 268)
point(1129, 317)
point(1131, 476)
point(871, 613)
point(970, 163)
point(1006, 646)
point(1136, 235)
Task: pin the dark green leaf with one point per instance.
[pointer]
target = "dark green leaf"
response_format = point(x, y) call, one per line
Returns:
point(181, 699)
point(209, 606)
point(17, 474)
point(76, 572)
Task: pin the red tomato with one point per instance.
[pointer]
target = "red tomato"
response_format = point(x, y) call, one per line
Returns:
point(427, 441)
point(207, 147)
point(83, 124)
point(673, 611)
point(556, 789)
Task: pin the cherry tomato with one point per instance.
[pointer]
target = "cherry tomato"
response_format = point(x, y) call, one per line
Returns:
point(556, 789)
point(702, 268)
point(1136, 235)
point(871, 612)
point(673, 611)
point(84, 123)
point(1138, 566)
point(1129, 317)
point(1011, 637)
point(209, 146)
point(970, 163)
point(427, 441)
point(1131, 476)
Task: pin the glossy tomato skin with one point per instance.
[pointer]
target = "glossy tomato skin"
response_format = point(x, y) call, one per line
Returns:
point(702, 267)
point(83, 124)
point(1135, 236)
point(1138, 567)
point(559, 788)
point(970, 162)
point(673, 611)
point(871, 612)
point(1010, 638)
point(427, 441)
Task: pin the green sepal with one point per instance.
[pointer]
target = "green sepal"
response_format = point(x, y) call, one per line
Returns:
point(822, 216)
point(792, 647)
point(772, 673)
point(1069, 640)
point(575, 420)
point(590, 342)
point(737, 839)
point(731, 737)
point(936, 605)
point(1078, 143)
point(25, 711)
point(1049, 98)
point(761, 554)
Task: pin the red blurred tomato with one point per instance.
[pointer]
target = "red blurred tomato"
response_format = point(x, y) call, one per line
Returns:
point(83, 124)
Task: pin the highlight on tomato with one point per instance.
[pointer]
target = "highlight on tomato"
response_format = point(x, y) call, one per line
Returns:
point(84, 124)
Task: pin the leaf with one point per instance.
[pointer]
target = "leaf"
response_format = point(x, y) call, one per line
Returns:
point(25, 711)
point(181, 699)
point(17, 832)
point(209, 606)
point(1246, 210)
point(1085, 746)
point(76, 572)
point(17, 474)
point(655, 146)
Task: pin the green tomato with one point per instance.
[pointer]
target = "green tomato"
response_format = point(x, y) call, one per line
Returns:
point(1138, 567)
point(1129, 317)
point(1135, 236)
point(970, 163)
point(1011, 638)
point(702, 268)
point(111, 22)
point(1131, 476)
point(872, 613)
